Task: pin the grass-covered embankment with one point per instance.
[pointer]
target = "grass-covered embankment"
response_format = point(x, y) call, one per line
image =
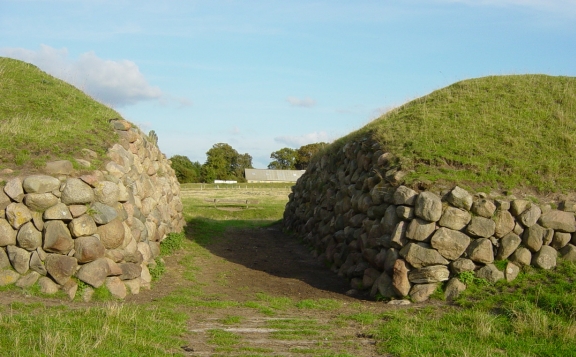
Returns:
point(43, 118)
point(499, 132)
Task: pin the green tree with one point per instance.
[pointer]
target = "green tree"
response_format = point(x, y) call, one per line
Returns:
point(186, 170)
point(225, 163)
point(284, 159)
point(305, 153)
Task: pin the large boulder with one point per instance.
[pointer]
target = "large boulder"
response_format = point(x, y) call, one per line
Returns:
point(60, 267)
point(76, 192)
point(40, 184)
point(450, 244)
point(428, 206)
point(420, 257)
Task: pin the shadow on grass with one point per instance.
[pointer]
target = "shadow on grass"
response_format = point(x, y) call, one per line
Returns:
point(262, 245)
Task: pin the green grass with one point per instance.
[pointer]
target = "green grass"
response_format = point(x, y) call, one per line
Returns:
point(36, 330)
point(500, 132)
point(43, 118)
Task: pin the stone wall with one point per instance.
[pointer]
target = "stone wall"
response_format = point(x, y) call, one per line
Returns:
point(397, 242)
point(103, 227)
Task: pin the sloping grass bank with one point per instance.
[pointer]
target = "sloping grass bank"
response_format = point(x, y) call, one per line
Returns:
point(501, 132)
point(43, 118)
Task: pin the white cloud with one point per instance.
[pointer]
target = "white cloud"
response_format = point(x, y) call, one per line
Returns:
point(298, 141)
point(561, 6)
point(297, 102)
point(115, 83)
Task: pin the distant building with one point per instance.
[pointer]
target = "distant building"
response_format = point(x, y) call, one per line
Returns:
point(264, 175)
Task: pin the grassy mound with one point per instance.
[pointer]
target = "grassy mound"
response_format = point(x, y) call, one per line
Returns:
point(503, 132)
point(43, 118)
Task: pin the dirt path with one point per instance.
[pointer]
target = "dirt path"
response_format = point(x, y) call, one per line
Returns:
point(270, 296)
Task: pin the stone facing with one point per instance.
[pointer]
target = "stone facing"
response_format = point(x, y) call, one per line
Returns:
point(57, 227)
point(352, 208)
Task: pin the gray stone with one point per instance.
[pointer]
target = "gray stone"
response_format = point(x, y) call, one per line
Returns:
point(57, 238)
point(115, 255)
point(490, 273)
point(421, 292)
point(508, 245)
point(40, 201)
point(484, 208)
point(461, 265)
point(70, 288)
point(19, 258)
point(521, 257)
point(560, 240)
point(390, 257)
point(530, 216)
point(14, 189)
point(404, 196)
point(106, 192)
point(88, 249)
point(7, 233)
point(400, 281)
point(94, 273)
point(116, 287)
point(398, 237)
point(47, 286)
point(370, 276)
point(77, 192)
point(548, 236)
point(405, 213)
point(4, 200)
point(17, 214)
point(134, 285)
point(453, 289)
point(103, 214)
point(82, 226)
point(502, 205)
point(36, 264)
point(545, 258)
point(428, 206)
point(133, 271)
point(420, 230)
point(60, 267)
point(4, 261)
point(59, 167)
point(77, 210)
point(511, 272)
point(460, 198)
point(382, 286)
point(519, 206)
point(455, 218)
point(568, 253)
point(57, 212)
point(420, 257)
point(533, 237)
point(429, 274)
point(111, 234)
point(40, 184)
point(28, 280)
point(504, 223)
point(481, 227)
point(29, 237)
point(481, 251)
point(450, 243)
point(37, 220)
point(559, 221)
point(8, 277)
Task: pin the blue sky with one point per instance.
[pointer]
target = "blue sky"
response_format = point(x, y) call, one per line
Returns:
point(263, 75)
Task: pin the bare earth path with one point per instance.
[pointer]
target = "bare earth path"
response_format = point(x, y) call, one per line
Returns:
point(265, 289)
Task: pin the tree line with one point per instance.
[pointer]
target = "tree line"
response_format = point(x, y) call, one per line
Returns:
point(223, 162)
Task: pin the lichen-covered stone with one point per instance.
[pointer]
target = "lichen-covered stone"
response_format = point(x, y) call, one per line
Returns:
point(428, 206)
point(7, 233)
point(40, 201)
point(40, 184)
point(76, 192)
point(460, 198)
point(455, 218)
point(559, 221)
point(29, 237)
point(57, 238)
point(545, 258)
point(60, 267)
point(18, 214)
point(450, 244)
point(82, 226)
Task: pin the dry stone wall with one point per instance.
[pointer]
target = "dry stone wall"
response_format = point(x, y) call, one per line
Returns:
point(398, 242)
point(102, 228)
